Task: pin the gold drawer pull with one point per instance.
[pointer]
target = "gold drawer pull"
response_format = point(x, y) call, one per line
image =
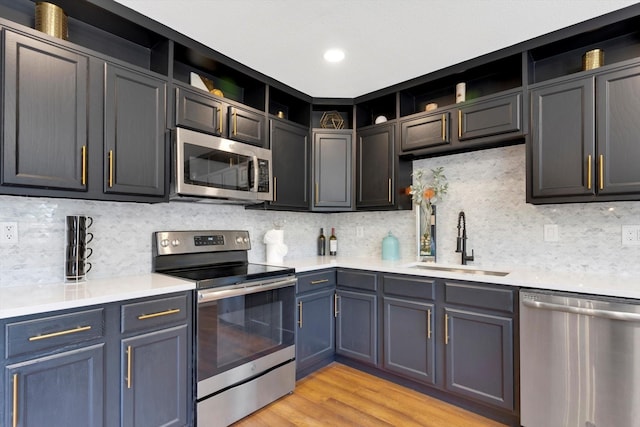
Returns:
point(158, 314)
point(129, 356)
point(317, 198)
point(429, 324)
point(446, 329)
point(389, 190)
point(84, 165)
point(235, 123)
point(589, 172)
point(444, 127)
point(317, 282)
point(601, 172)
point(110, 168)
point(219, 120)
point(15, 401)
point(57, 334)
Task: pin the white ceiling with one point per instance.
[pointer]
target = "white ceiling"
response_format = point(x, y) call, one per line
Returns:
point(386, 41)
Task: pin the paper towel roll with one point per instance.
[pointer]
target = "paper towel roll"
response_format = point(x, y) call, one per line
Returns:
point(276, 252)
point(274, 236)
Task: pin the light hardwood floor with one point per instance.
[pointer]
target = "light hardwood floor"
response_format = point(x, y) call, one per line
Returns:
point(338, 395)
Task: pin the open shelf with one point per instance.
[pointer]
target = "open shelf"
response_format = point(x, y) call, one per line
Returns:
point(345, 110)
point(100, 30)
point(619, 41)
point(289, 107)
point(484, 80)
point(368, 111)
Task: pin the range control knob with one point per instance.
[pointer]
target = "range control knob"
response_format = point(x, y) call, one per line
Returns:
point(245, 240)
point(175, 242)
point(164, 243)
point(238, 239)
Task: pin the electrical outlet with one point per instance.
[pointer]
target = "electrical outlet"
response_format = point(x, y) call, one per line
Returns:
point(631, 235)
point(9, 232)
point(551, 233)
point(359, 231)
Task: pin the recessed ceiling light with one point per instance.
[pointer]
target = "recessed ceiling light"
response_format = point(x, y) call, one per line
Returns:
point(334, 55)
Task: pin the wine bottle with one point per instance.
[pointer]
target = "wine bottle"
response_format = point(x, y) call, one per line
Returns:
point(322, 243)
point(333, 243)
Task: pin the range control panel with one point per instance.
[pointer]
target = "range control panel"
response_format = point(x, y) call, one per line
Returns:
point(185, 242)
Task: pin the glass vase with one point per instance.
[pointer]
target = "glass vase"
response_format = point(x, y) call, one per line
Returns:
point(426, 233)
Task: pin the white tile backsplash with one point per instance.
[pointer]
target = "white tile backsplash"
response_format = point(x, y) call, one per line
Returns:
point(488, 185)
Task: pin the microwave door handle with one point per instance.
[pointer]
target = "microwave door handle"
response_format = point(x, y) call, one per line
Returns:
point(256, 174)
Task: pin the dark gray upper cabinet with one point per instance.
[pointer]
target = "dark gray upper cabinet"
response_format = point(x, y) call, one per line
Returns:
point(494, 116)
point(332, 170)
point(618, 130)
point(61, 390)
point(134, 132)
point(584, 138)
point(562, 139)
point(155, 381)
point(45, 138)
point(290, 150)
point(247, 126)
point(375, 161)
point(424, 132)
point(199, 112)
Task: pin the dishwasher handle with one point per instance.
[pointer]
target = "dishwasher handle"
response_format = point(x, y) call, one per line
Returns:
point(607, 314)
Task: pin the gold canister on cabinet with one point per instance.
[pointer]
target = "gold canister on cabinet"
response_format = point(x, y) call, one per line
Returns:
point(593, 59)
point(51, 19)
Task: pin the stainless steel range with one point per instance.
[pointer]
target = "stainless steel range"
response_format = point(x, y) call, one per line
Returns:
point(245, 320)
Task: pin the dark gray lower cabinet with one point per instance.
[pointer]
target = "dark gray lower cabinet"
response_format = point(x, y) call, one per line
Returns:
point(62, 390)
point(479, 356)
point(315, 336)
point(154, 368)
point(356, 326)
point(409, 338)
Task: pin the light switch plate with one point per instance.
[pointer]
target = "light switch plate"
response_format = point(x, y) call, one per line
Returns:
point(631, 235)
point(551, 233)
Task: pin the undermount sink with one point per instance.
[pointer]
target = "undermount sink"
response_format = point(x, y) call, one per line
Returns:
point(460, 270)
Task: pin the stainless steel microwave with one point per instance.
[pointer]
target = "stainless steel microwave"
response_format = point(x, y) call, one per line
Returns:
point(210, 167)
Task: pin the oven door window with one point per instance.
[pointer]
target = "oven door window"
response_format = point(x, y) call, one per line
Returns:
point(233, 331)
point(210, 167)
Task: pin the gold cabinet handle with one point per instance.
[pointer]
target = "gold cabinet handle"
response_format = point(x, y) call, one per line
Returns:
point(300, 315)
point(110, 168)
point(335, 305)
point(429, 324)
point(317, 282)
point(158, 314)
point(275, 188)
point(444, 125)
point(129, 357)
point(14, 416)
point(60, 333)
point(446, 329)
point(459, 123)
point(589, 172)
point(219, 120)
point(601, 172)
point(84, 165)
point(389, 190)
point(235, 123)
point(317, 193)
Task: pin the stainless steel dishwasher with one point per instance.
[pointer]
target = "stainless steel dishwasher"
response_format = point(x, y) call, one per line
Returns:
point(579, 360)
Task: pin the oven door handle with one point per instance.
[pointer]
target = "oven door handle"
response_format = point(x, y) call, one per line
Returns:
point(217, 294)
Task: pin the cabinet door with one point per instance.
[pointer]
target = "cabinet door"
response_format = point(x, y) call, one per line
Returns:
point(409, 339)
point(375, 156)
point(154, 379)
point(247, 126)
point(134, 132)
point(618, 113)
point(356, 327)
point(290, 151)
point(199, 112)
point(45, 114)
point(562, 139)
point(479, 356)
point(66, 389)
point(425, 132)
point(316, 325)
point(332, 169)
point(492, 117)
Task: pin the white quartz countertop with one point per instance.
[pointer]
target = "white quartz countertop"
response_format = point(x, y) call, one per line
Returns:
point(33, 299)
point(621, 285)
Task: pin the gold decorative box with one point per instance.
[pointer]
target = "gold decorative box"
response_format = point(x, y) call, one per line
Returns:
point(593, 59)
point(51, 19)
